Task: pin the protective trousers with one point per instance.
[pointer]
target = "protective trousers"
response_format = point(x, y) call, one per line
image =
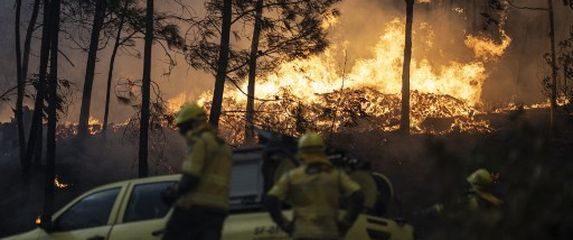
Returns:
point(194, 224)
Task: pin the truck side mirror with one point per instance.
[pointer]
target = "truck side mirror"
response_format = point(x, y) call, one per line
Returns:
point(44, 222)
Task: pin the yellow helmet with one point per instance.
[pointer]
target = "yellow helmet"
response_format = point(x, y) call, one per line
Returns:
point(311, 142)
point(190, 112)
point(311, 148)
point(480, 177)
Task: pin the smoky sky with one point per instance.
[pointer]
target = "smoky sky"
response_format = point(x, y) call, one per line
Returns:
point(516, 76)
point(182, 79)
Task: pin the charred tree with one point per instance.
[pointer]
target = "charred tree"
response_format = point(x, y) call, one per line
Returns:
point(28, 39)
point(52, 108)
point(35, 137)
point(39, 148)
point(20, 85)
point(222, 64)
point(551, 59)
point(116, 46)
point(90, 67)
point(145, 92)
point(293, 29)
point(553, 64)
point(249, 127)
point(405, 113)
point(22, 61)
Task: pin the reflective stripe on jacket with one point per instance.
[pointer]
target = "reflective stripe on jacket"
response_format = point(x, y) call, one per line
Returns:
point(209, 159)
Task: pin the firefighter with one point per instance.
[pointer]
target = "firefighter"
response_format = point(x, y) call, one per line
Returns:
point(201, 198)
point(314, 190)
point(478, 194)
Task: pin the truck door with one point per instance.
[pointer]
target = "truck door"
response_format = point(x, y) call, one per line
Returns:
point(144, 216)
point(91, 217)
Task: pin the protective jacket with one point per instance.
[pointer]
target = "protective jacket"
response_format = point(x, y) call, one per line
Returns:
point(209, 160)
point(314, 194)
point(482, 200)
point(396, 231)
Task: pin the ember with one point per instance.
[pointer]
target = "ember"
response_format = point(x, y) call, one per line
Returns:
point(59, 184)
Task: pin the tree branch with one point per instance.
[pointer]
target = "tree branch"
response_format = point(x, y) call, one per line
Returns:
point(526, 7)
point(66, 57)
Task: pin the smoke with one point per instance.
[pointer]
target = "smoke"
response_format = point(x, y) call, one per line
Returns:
point(516, 76)
point(99, 160)
point(128, 66)
point(6, 56)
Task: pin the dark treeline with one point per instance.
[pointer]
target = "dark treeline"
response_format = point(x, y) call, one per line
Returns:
point(278, 30)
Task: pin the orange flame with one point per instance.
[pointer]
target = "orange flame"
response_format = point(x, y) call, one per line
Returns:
point(59, 184)
point(68, 129)
point(174, 104)
point(316, 75)
point(312, 90)
point(94, 126)
point(561, 101)
point(486, 48)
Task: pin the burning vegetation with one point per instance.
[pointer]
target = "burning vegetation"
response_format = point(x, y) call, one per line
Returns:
point(68, 129)
point(305, 80)
point(314, 93)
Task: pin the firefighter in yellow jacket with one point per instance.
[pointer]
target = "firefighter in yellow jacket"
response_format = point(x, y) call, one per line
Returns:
point(314, 190)
point(477, 196)
point(202, 195)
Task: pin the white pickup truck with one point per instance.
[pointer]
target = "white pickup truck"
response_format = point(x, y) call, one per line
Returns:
point(133, 209)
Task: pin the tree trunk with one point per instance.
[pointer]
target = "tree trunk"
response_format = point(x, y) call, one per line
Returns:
point(405, 114)
point(22, 69)
point(249, 128)
point(145, 92)
point(52, 114)
point(28, 40)
point(116, 46)
point(36, 125)
point(553, 67)
point(39, 148)
point(90, 68)
point(20, 87)
point(222, 66)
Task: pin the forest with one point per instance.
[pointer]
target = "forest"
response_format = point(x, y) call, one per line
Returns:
point(422, 91)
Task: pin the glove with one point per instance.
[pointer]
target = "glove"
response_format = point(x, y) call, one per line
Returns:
point(287, 227)
point(434, 211)
point(169, 195)
point(187, 183)
point(343, 227)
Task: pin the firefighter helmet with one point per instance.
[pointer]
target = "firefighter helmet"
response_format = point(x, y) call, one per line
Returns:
point(190, 112)
point(311, 142)
point(480, 177)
